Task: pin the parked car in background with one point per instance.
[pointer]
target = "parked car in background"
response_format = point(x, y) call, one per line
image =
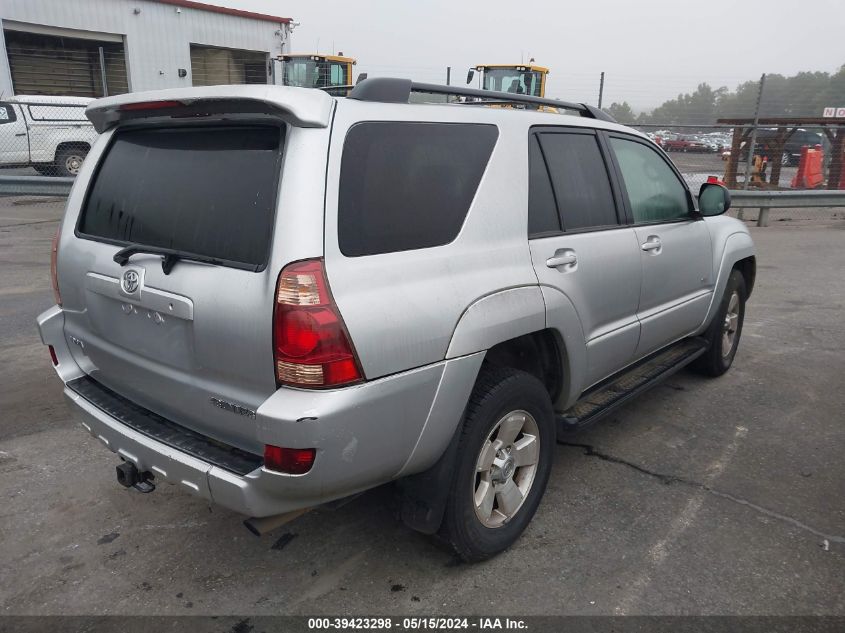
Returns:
point(685, 143)
point(48, 133)
point(791, 152)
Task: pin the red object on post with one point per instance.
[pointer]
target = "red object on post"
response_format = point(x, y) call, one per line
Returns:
point(810, 168)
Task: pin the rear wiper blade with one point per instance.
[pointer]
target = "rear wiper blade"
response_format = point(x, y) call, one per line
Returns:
point(169, 256)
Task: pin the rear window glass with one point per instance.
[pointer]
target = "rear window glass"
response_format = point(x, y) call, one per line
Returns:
point(206, 191)
point(406, 185)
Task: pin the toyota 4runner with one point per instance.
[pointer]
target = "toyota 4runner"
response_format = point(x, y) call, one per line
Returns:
point(274, 298)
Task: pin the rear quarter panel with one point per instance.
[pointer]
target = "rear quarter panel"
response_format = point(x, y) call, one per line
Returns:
point(402, 308)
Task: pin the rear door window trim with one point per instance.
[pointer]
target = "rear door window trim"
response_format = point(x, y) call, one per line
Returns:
point(620, 209)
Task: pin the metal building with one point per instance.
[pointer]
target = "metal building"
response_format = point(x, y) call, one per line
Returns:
point(92, 48)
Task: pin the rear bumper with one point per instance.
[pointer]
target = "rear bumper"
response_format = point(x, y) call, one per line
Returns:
point(365, 435)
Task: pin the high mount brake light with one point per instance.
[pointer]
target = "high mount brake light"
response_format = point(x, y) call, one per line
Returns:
point(311, 347)
point(150, 105)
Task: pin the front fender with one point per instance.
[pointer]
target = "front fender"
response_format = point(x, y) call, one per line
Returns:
point(731, 243)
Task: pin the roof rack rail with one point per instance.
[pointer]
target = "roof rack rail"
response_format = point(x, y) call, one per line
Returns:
point(394, 90)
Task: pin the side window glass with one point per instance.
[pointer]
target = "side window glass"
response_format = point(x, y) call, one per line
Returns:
point(654, 191)
point(408, 185)
point(7, 113)
point(542, 210)
point(337, 75)
point(580, 180)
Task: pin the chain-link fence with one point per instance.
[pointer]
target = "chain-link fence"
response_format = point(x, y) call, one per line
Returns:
point(772, 134)
point(702, 151)
point(44, 135)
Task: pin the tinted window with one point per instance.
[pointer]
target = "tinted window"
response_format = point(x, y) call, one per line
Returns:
point(654, 191)
point(7, 113)
point(581, 183)
point(542, 210)
point(209, 191)
point(408, 185)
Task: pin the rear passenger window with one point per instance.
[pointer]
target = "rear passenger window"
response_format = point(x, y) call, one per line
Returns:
point(542, 209)
point(406, 186)
point(654, 191)
point(580, 180)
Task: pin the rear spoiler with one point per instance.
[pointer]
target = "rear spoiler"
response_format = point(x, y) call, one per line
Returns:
point(300, 107)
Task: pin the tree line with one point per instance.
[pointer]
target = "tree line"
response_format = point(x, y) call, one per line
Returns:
point(805, 94)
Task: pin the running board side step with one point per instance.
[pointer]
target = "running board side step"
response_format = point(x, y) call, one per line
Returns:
point(630, 383)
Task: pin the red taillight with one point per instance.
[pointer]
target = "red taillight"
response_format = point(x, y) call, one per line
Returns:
point(150, 105)
point(53, 356)
point(311, 345)
point(54, 255)
point(293, 461)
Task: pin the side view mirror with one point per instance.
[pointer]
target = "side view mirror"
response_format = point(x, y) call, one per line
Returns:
point(713, 199)
point(470, 75)
point(361, 77)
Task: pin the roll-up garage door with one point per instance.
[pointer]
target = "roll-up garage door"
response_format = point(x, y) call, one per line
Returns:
point(54, 65)
point(212, 66)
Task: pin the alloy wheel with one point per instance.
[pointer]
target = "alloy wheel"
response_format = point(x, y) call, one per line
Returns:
point(506, 468)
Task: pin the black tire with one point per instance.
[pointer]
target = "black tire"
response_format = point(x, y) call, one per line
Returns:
point(69, 161)
point(715, 361)
point(497, 393)
point(45, 169)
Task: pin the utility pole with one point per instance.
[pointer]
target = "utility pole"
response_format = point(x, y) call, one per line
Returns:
point(750, 158)
point(601, 88)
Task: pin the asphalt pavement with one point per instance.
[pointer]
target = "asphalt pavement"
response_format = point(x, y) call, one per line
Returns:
point(722, 496)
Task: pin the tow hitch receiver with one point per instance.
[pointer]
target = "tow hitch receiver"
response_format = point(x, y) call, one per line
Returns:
point(130, 477)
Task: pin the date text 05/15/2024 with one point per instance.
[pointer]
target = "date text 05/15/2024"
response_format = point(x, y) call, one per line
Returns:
point(417, 623)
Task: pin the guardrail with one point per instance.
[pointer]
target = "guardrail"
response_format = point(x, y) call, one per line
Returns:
point(765, 200)
point(740, 198)
point(34, 186)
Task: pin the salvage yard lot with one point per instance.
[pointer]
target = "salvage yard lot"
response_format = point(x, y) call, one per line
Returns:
point(702, 496)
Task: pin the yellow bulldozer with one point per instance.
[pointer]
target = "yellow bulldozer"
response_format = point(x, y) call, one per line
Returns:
point(327, 72)
point(524, 79)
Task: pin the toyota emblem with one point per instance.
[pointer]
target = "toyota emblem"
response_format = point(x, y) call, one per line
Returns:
point(131, 281)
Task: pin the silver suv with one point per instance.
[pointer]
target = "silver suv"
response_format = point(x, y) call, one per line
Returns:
point(274, 298)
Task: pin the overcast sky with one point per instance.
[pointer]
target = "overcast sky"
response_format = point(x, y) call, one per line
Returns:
point(650, 49)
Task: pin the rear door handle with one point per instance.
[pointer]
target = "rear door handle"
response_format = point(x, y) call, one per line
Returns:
point(21, 134)
point(653, 243)
point(562, 257)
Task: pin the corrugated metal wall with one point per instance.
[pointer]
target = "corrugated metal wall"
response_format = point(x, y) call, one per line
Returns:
point(157, 40)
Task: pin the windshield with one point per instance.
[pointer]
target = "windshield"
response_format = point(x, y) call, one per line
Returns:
point(525, 82)
point(313, 73)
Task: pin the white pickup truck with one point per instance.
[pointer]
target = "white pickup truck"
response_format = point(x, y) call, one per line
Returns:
point(49, 133)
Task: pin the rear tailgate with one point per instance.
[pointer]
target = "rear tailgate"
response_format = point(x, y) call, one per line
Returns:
point(193, 345)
